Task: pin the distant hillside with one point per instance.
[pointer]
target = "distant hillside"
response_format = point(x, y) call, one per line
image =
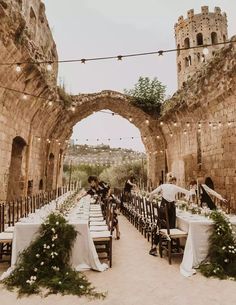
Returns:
point(102, 154)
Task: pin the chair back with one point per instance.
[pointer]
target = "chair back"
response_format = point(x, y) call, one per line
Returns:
point(163, 217)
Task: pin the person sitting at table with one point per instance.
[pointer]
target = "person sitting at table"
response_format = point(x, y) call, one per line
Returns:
point(202, 192)
point(168, 191)
point(103, 191)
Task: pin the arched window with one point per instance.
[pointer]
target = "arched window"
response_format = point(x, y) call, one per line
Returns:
point(198, 57)
point(190, 60)
point(199, 38)
point(41, 184)
point(178, 51)
point(186, 43)
point(224, 38)
point(179, 66)
point(186, 60)
point(16, 180)
point(214, 38)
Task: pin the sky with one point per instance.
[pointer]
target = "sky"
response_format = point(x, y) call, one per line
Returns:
point(92, 28)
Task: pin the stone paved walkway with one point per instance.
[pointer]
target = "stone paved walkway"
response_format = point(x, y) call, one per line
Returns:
point(137, 278)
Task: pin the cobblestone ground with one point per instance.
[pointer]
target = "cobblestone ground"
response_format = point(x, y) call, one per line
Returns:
point(137, 278)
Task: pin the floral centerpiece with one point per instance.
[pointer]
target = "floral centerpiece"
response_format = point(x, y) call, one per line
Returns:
point(45, 263)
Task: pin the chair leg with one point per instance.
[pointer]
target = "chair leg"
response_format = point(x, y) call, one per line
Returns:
point(169, 251)
point(110, 252)
point(160, 247)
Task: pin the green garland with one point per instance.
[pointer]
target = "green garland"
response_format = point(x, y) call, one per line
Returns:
point(45, 263)
point(221, 260)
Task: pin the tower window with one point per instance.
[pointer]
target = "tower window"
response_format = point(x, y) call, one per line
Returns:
point(179, 66)
point(190, 60)
point(186, 43)
point(198, 57)
point(187, 62)
point(214, 38)
point(178, 50)
point(199, 39)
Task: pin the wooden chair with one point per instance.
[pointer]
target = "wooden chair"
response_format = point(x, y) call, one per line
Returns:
point(103, 239)
point(169, 239)
point(5, 237)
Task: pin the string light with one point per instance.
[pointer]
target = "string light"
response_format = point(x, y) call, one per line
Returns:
point(131, 119)
point(24, 96)
point(199, 124)
point(160, 53)
point(18, 68)
point(73, 108)
point(161, 123)
point(158, 137)
point(49, 67)
point(175, 124)
point(147, 121)
point(229, 123)
point(188, 124)
point(210, 124)
point(205, 51)
point(171, 134)
point(220, 124)
point(185, 132)
point(50, 103)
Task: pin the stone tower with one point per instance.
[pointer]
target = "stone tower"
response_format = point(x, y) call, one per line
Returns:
point(198, 30)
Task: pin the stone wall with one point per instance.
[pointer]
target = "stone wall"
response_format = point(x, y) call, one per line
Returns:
point(200, 125)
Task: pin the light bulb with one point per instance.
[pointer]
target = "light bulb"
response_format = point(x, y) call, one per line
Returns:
point(49, 67)
point(188, 124)
point(50, 103)
point(18, 68)
point(147, 121)
point(158, 137)
point(24, 96)
point(205, 51)
point(130, 119)
point(161, 123)
point(185, 132)
point(73, 108)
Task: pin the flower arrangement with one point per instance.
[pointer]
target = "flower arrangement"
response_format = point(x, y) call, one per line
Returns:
point(221, 261)
point(45, 263)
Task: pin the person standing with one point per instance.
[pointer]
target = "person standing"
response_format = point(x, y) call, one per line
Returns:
point(168, 192)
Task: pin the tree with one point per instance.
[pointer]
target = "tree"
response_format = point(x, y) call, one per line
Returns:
point(148, 95)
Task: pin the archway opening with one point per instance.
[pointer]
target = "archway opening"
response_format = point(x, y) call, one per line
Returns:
point(109, 146)
point(16, 181)
point(50, 171)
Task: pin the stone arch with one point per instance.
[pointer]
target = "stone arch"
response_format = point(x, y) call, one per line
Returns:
point(50, 171)
point(16, 180)
point(214, 38)
point(199, 39)
point(87, 104)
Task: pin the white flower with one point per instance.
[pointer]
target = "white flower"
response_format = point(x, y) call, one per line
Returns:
point(53, 230)
point(53, 245)
point(57, 223)
point(223, 248)
point(81, 286)
point(42, 263)
point(59, 282)
point(67, 273)
point(45, 246)
point(35, 269)
point(48, 247)
point(226, 260)
point(37, 255)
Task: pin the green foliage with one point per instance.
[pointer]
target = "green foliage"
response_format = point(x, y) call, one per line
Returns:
point(64, 97)
point(148, 95)
point(117, 175)
point(222, 249)
point(45, 263)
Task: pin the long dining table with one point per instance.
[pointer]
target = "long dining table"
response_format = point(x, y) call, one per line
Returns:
point(84, 255)
point(196, 248)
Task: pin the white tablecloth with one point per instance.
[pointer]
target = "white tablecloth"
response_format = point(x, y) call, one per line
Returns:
point(199, 229)
point(84, 255)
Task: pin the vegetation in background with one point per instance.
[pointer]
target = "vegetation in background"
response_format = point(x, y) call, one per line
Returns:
point(148, 95)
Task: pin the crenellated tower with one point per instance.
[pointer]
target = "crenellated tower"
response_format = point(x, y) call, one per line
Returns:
point(198, 30)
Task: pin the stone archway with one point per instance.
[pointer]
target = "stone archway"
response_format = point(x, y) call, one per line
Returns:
point(16, 180)
point(86, 104)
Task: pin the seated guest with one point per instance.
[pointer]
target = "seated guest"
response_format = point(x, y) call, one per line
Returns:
point(168, 192)
point(202, 191)
point(103, 191)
